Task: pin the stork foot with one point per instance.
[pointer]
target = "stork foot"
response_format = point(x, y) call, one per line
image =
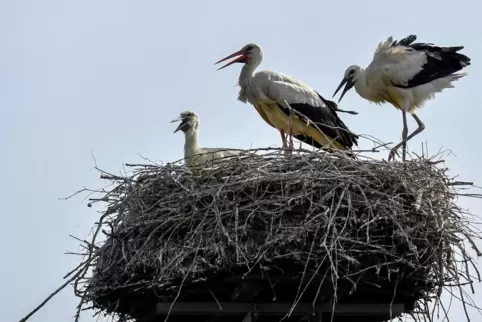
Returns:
point(393, 151)
point(392, 154)
point(288, 150)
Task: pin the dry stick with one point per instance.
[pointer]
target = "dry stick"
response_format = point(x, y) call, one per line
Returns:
point(298, 296)
point(182, 283)
point(74, 277)
point(60, 288)
point(446, 315)
point(215, 298)
point(91, 257)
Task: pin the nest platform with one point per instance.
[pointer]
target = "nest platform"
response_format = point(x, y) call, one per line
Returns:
point(352, 240)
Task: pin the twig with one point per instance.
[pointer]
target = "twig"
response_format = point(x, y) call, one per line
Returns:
point(60, 288)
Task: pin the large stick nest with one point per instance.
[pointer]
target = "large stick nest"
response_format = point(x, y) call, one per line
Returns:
point(309, 227)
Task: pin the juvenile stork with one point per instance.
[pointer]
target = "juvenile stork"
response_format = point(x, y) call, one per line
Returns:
point(193, 153)
point(274, 94)
point(405, 74)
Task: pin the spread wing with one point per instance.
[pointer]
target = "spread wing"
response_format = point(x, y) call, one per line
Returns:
point(395, 63)
point(406, 64)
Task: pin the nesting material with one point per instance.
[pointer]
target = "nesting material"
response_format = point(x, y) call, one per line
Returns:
point(308, 227)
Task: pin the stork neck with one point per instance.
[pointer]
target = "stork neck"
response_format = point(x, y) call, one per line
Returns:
point(191, 144)
point(361, 85)
point(246, 73)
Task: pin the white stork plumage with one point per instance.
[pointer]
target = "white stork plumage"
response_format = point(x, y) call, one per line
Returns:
point(273, 94)
point(406, 74)
point(193, 153)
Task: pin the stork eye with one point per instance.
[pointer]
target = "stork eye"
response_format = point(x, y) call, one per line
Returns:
point(249, 47)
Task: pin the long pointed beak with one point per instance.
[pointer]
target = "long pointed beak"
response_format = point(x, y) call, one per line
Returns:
point(181, 125)
point(176, 120)
point(349, 84)
point(241, 58)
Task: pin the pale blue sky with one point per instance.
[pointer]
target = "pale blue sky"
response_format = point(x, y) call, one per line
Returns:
point(108, 76)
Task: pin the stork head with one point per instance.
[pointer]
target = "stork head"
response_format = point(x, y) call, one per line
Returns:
point(349, 80)
point(249, 54)
point(189, 122)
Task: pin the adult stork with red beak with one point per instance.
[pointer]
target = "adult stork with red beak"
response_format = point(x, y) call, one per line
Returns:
point(289, 105)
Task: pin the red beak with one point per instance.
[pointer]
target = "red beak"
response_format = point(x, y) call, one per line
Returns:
point(241, 59)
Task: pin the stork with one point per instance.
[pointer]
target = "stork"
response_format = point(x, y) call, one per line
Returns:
point(193, 153)
point(406, 74)
point(275, 96)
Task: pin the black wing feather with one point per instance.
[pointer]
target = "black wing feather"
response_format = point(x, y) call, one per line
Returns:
point(349, 137)
point(441, 62)
point(327, 120)
point(405, 41)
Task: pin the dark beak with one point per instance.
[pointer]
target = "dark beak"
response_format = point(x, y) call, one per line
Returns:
point(181, 126)
point(349, 84)
point(241, 59)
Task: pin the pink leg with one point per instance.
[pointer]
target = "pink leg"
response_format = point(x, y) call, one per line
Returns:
point(283, 138)
point(291, 138)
